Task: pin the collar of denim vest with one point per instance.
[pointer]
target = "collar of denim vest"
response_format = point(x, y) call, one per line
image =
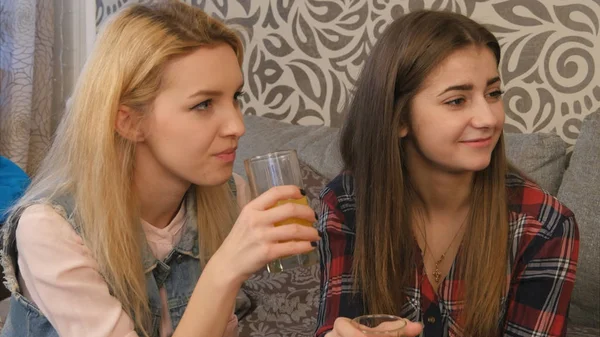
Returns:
point(188, 244)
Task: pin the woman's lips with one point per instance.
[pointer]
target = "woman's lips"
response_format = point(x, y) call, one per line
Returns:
point(227, 155)
point(480, 142)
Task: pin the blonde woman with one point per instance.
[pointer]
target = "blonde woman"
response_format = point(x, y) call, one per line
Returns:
point(131, 227)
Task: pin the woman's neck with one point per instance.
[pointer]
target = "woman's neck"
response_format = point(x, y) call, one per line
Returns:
point(159, 191)
point(440, 192)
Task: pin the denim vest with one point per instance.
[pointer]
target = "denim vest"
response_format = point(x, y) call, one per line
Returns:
point(178, 273)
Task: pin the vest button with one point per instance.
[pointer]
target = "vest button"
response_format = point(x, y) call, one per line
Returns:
point(431, 320)
point(179, 258)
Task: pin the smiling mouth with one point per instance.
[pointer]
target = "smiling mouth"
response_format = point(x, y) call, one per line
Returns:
point(477, 140)
point(480, 142)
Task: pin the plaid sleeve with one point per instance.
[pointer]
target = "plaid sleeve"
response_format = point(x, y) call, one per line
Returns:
point(336, 223)
point(544, 273)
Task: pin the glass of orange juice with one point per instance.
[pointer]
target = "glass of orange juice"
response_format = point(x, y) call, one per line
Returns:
point(276, 169)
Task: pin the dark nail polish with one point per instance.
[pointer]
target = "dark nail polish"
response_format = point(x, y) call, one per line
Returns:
point(316, 216)
point(313, 243)
point(303, 192)
point(320, 234)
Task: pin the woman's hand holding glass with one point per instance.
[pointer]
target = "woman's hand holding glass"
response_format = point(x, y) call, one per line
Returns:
point(254, 241)
point(375, 326)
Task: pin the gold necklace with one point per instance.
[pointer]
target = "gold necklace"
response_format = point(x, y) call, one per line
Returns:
point(436, 273)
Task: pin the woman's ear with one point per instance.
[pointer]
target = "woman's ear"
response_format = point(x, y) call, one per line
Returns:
point(128, 123)
point(403, 130)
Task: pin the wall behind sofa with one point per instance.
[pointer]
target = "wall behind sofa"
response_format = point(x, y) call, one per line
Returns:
point(303, 57)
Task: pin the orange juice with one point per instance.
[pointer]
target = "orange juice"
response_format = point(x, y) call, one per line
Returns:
point(301, 201)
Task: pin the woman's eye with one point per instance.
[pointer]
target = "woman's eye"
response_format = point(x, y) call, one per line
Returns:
point(456, 102)
point(238, 95)
point(202, 105)
point(496, 94)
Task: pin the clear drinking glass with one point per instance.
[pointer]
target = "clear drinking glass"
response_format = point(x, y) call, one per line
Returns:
point(380, 325)
point(276, 169)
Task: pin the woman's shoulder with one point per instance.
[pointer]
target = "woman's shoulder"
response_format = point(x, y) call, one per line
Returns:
point(536, 211)
point(44, 223)
point(340, 187)
point(338, 206)
point(527, 197)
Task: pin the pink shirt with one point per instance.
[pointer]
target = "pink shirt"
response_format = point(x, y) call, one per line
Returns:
point(58, 273)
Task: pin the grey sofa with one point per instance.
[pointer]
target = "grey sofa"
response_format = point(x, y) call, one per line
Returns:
point(285, 304)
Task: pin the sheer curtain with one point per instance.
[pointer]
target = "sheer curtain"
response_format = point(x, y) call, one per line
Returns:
point(27, 80)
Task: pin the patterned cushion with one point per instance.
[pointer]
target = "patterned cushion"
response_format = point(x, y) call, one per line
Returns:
point(286, 303)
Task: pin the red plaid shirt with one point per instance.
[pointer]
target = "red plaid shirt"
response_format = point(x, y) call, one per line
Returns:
point(543, 259)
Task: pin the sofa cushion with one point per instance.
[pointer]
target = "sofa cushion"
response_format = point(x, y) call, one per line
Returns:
point(580, 331)
point(580, 191)
point(319, 148)
point(286, 303)
point(262, 136)
point(541, 156)
point(265, 135)
point(316, 145)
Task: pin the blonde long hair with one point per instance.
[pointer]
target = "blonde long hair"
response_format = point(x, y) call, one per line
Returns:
point(91, 162)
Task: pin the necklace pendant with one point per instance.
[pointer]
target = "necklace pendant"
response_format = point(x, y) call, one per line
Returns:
point(437, 275)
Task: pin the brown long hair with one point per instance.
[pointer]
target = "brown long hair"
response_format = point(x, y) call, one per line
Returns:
point(404, 55)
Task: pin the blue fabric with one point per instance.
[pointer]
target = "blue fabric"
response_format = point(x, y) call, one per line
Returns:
point(13, 182)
